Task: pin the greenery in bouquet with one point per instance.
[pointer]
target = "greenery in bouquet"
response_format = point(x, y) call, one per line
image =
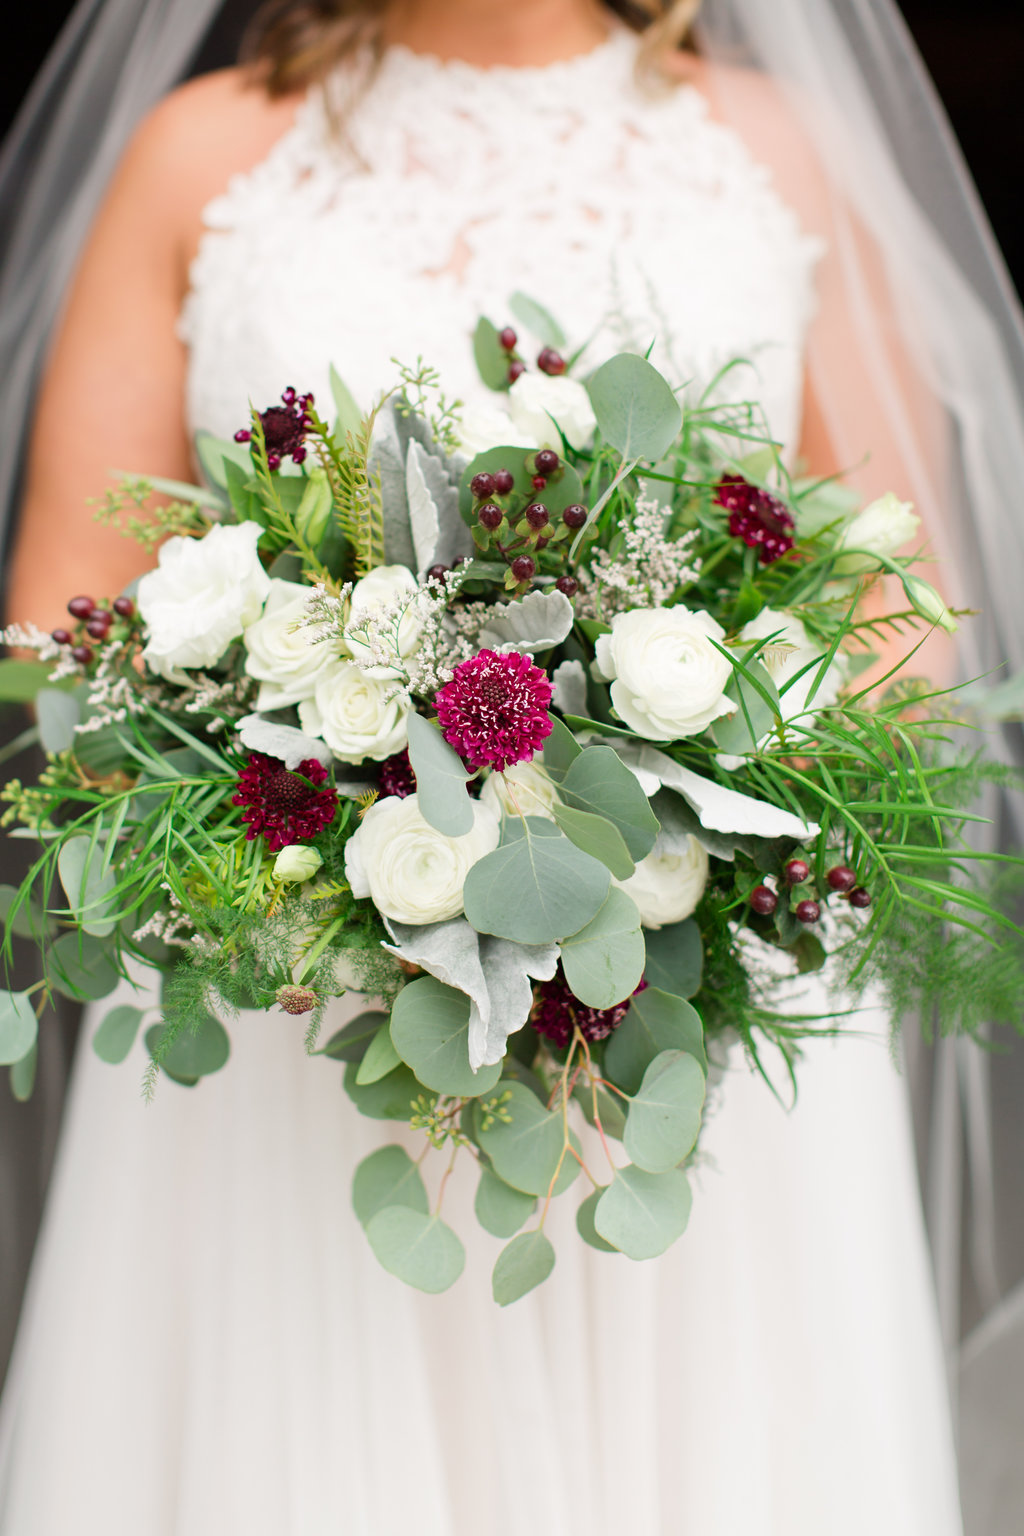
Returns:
point(541, 728)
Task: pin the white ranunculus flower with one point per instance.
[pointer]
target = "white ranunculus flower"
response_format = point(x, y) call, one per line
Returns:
point(782, 666)
point(386, 587)
point(484, 425)
point(667, 679)
point(202, 595)
point(414, 873)
point(670, 881)
point(356, 714)
point(296, 862)
point(281, 652)
point(531, 785)
point(536, 398)
point(881, 529)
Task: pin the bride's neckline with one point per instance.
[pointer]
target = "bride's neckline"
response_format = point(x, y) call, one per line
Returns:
point(619, 43)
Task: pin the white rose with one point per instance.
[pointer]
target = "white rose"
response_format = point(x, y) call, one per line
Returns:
point(881, 529)
point(388, 587)
point(201, 596)
point(536, 398)
point(531, 785)
point(667, 678)
point(356, 714)
point(281, 652)
point(296, 862)
point(670, 881)
point(484, 425)
point(414, 873)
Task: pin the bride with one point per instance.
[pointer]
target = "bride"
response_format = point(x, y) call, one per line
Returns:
point(208, 1344)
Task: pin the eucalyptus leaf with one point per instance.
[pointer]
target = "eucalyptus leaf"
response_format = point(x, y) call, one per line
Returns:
point(609, 1107)
point(500, 1209)
point(636, 410)
point(29, 922)
point(194, 1053)
point(664, 1117)
point(391, 1098)
point(57, 714)
point(387, 1177)
point(18, 1027)
point(535, 888)
point(675, 958)
point(585, 1222)
point(351, 1042)
point(657, 1021)
point(524, 1264)
point(23, 1074)
point(525, 1143)
point(537, 320)
point(561, 749)
point(604, 962)
point(87, 885)
point(599, 781)
point(81, 968)
point(490, 356)
point(642, 1214)
point(116, 1035)
point(441, 780)
point(420, 1249)
point(380, 1059)
point(430, 1032)
point(596, 836)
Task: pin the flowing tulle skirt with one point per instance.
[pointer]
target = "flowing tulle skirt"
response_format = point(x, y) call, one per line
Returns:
point(210, 1349)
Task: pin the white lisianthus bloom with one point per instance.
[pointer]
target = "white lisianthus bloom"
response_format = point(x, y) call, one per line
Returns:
point(296, 862)
point(881, 529)
point(282, 653)
point(670, 881)
point(530, 784)
point(356, 714)
point(385, 602)
point(202, 595)
point(412, 872)
point(667, 679)
point(536, 398)
point(484, 425)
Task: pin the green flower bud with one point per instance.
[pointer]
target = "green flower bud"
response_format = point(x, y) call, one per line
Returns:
point(296, 862)
point(924, 599)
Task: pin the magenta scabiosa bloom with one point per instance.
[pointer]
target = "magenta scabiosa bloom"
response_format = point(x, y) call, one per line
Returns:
point(494, 712)
point(556, 1010)
point(761, 520)
point(284, 427)
point(284, 807)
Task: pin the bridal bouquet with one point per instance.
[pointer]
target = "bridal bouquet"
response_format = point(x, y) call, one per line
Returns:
point(538, 726)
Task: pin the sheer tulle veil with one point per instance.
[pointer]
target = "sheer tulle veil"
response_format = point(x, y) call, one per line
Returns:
point(934, 337)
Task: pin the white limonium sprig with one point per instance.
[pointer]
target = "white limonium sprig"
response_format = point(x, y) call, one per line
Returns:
point(113, 696)
point(647, 573)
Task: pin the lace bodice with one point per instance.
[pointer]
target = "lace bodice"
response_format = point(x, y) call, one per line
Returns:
point(630, 215)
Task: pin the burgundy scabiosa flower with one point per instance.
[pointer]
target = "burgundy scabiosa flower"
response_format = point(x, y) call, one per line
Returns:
point(396, 777)
point(761, 520)
point(284, 427)
point(494, 712)
point(556, 1010)
point(284, 807)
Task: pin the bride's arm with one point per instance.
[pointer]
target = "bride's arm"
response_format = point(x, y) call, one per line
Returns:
point(112, 396)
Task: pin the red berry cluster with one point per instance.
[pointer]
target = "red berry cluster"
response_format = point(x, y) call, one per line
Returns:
point(841, 880)
point(518, 533)
point(548, 360)
point(97, 623)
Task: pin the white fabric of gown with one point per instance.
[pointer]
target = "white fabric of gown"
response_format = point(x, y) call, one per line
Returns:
point(209, 1348)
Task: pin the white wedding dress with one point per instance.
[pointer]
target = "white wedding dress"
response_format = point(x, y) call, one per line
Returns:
point(209, 1348)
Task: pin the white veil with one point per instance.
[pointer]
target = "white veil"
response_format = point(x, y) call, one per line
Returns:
point(921, 278)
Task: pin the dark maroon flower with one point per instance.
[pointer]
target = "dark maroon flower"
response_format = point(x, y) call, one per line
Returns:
point(556, 1010)
point(494, 712)
point(761, 520)
point(284, 807)
point(396, 777)
point(284, 427)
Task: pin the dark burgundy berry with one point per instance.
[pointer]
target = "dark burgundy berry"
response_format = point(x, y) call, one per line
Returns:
point(507, 338)
point(763, 900)
point(490, 515)
point(98, 629)
point(859, 897)
point(568, 584)
point(82, 654)
point(460, 560)
point(124, 607)
point(537, 514)
point(516, 371)
point(538, 482)
point(550, 361)
point(504, 480)
point(62, 636)
point(482, 486)
point(807, 912)
point(574, 516)
point(523, 568)
point(797, 871)
point(547, 461)
point(81, 607)
point(841, 878)
point(437, 572)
